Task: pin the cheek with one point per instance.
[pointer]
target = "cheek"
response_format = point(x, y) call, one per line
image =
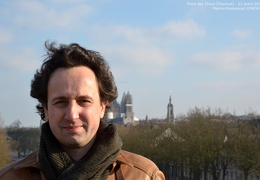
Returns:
point(54, 116)
point(93, 113)
point(95, 127)
point(54, 128)
point(92, 116)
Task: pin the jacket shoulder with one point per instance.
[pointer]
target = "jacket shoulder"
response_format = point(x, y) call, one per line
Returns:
point(138, 163)
point(29, 162)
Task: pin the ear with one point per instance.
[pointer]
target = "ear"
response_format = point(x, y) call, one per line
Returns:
point(103, 106)
point(45, 111)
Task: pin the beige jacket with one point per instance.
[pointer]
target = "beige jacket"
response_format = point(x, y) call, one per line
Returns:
point(128, 166)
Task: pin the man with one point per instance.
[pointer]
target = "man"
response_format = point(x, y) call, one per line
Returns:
point(74, 88)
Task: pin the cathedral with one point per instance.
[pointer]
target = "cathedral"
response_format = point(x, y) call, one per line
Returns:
point(122, 113)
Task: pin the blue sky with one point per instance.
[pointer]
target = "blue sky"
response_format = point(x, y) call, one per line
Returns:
point(199, 55)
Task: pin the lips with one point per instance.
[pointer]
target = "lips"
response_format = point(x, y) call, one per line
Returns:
point(72, 128)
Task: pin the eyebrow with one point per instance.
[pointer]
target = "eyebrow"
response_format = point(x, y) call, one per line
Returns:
point(64, 98)
point(59, 98)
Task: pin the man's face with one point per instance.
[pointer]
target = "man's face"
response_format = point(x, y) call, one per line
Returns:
point(74, 108)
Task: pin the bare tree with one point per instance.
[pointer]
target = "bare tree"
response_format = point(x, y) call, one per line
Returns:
point(24, 139)
point(246, 149)
point(5, 153)
point(204, 132)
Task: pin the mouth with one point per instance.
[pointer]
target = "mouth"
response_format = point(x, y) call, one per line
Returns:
point(72, 128)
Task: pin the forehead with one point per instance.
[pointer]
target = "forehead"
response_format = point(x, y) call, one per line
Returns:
point(72, 79)
point(73, 71)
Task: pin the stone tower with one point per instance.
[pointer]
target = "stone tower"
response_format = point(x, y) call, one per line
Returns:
point(128, 108)
point(122, 113)
point(170, 114)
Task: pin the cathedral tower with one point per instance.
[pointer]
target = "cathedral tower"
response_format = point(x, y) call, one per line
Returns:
point(170, 114)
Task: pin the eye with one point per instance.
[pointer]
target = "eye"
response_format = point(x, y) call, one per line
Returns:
point(83, 101)
point(60, 103)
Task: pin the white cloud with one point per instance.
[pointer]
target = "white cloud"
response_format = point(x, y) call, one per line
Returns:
point(38, 15)
point(241, 34)
point(228, 60)
point(145, 59)
point(25, 59)
point(184, 29)
point(5, 35)
point(142, 47)
point(254, 60)
point(221, 85)
point(125, 33)
point(181, 29)
point(65, 1)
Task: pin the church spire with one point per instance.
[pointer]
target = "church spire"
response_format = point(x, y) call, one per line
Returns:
point(170, 114)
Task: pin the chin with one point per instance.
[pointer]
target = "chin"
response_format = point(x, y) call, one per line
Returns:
point(74, 145)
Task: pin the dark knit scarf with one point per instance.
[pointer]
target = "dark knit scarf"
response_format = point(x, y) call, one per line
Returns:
point(96, 164)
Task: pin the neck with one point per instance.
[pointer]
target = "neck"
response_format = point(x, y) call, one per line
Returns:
point(76, 153)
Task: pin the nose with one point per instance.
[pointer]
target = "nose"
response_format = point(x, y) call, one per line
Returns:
point(72, 112)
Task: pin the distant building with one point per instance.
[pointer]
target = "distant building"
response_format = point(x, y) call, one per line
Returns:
point(123, 113)
point(170, 114)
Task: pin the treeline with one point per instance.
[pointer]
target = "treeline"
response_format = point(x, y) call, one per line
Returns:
point(200, 142)
point(17, 141)
point(22, 140)
point(5, 157)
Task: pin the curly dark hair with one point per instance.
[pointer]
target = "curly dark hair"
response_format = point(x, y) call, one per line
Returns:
point(68, 56)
